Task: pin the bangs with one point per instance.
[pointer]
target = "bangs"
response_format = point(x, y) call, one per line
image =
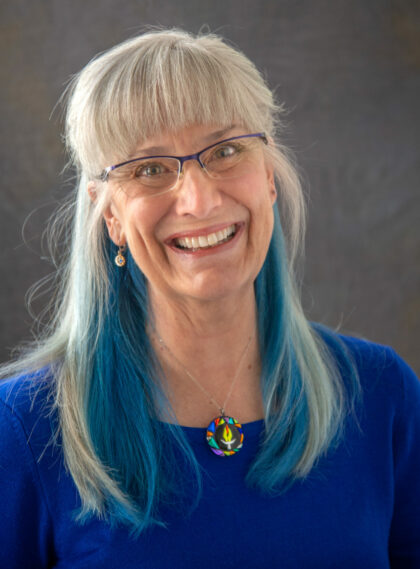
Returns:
point(139, 91)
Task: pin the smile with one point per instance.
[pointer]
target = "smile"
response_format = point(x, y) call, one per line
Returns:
point(206, 241)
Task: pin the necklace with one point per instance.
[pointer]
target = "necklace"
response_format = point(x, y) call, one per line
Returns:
point(224, 434)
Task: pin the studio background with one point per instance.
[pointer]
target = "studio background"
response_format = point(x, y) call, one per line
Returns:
point(348, 72)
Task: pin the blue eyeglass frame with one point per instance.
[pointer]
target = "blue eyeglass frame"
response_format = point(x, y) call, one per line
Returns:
point(181, 159)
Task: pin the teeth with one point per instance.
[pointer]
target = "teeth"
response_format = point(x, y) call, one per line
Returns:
point(205, 241)
point(212, 239)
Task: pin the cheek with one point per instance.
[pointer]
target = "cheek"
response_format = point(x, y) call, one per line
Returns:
point(142, 222)
point(263, 220)
point(261, 200)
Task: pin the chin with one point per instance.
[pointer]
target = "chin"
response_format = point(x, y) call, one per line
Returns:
point(217, 288)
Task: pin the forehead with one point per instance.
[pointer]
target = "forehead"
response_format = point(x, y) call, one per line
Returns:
point(188, 139)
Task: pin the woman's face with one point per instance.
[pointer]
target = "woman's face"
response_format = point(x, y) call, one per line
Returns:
point(160, 230)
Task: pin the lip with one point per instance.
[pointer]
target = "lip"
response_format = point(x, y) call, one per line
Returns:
point(205, 231)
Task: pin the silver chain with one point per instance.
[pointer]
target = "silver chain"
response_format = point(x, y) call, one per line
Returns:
point(197, 383)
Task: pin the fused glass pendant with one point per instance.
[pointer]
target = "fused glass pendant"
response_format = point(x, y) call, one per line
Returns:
point(225, 436)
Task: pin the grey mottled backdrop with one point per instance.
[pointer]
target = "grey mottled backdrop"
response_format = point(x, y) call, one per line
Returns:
point(349, 72)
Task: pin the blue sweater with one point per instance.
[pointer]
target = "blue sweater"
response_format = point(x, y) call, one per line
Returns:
point(358, 508)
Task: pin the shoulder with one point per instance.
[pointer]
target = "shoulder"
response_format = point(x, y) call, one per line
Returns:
point(27, 413)
point(28, 393)
point(370, 355)
point(28, 428)
point(381, 386)
point(28, 469)
point(389, 399)
point(378, 366)
point(388, 439)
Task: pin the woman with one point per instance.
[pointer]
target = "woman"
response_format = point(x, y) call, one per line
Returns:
point(181, 411)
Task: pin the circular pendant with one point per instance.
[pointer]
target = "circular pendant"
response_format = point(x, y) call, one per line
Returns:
point(225, 436)
point(119, 260)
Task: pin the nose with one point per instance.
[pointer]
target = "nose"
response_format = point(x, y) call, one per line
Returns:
point(197, 194)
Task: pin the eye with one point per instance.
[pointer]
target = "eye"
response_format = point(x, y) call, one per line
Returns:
point(225, 151)
point(149, 170)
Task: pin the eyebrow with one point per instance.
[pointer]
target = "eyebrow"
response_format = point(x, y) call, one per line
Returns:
point(207, 140)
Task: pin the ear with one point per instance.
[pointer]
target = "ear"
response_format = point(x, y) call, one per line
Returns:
point(270, 176)
point(113, 224)
point(111, 217)
point(91, 188)
point(271, 184)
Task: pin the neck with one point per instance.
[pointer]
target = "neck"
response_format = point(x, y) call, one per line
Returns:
point(197, 331)
point(208, 340)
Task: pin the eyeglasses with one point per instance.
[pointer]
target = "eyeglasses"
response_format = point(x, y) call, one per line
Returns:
point(155, 175)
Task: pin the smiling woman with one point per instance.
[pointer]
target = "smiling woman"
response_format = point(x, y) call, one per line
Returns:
point(179, 392)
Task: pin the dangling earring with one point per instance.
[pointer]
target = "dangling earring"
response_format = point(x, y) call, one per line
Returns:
point(120, 259)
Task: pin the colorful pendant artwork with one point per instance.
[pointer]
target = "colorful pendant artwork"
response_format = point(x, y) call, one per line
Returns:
point(225, 436)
